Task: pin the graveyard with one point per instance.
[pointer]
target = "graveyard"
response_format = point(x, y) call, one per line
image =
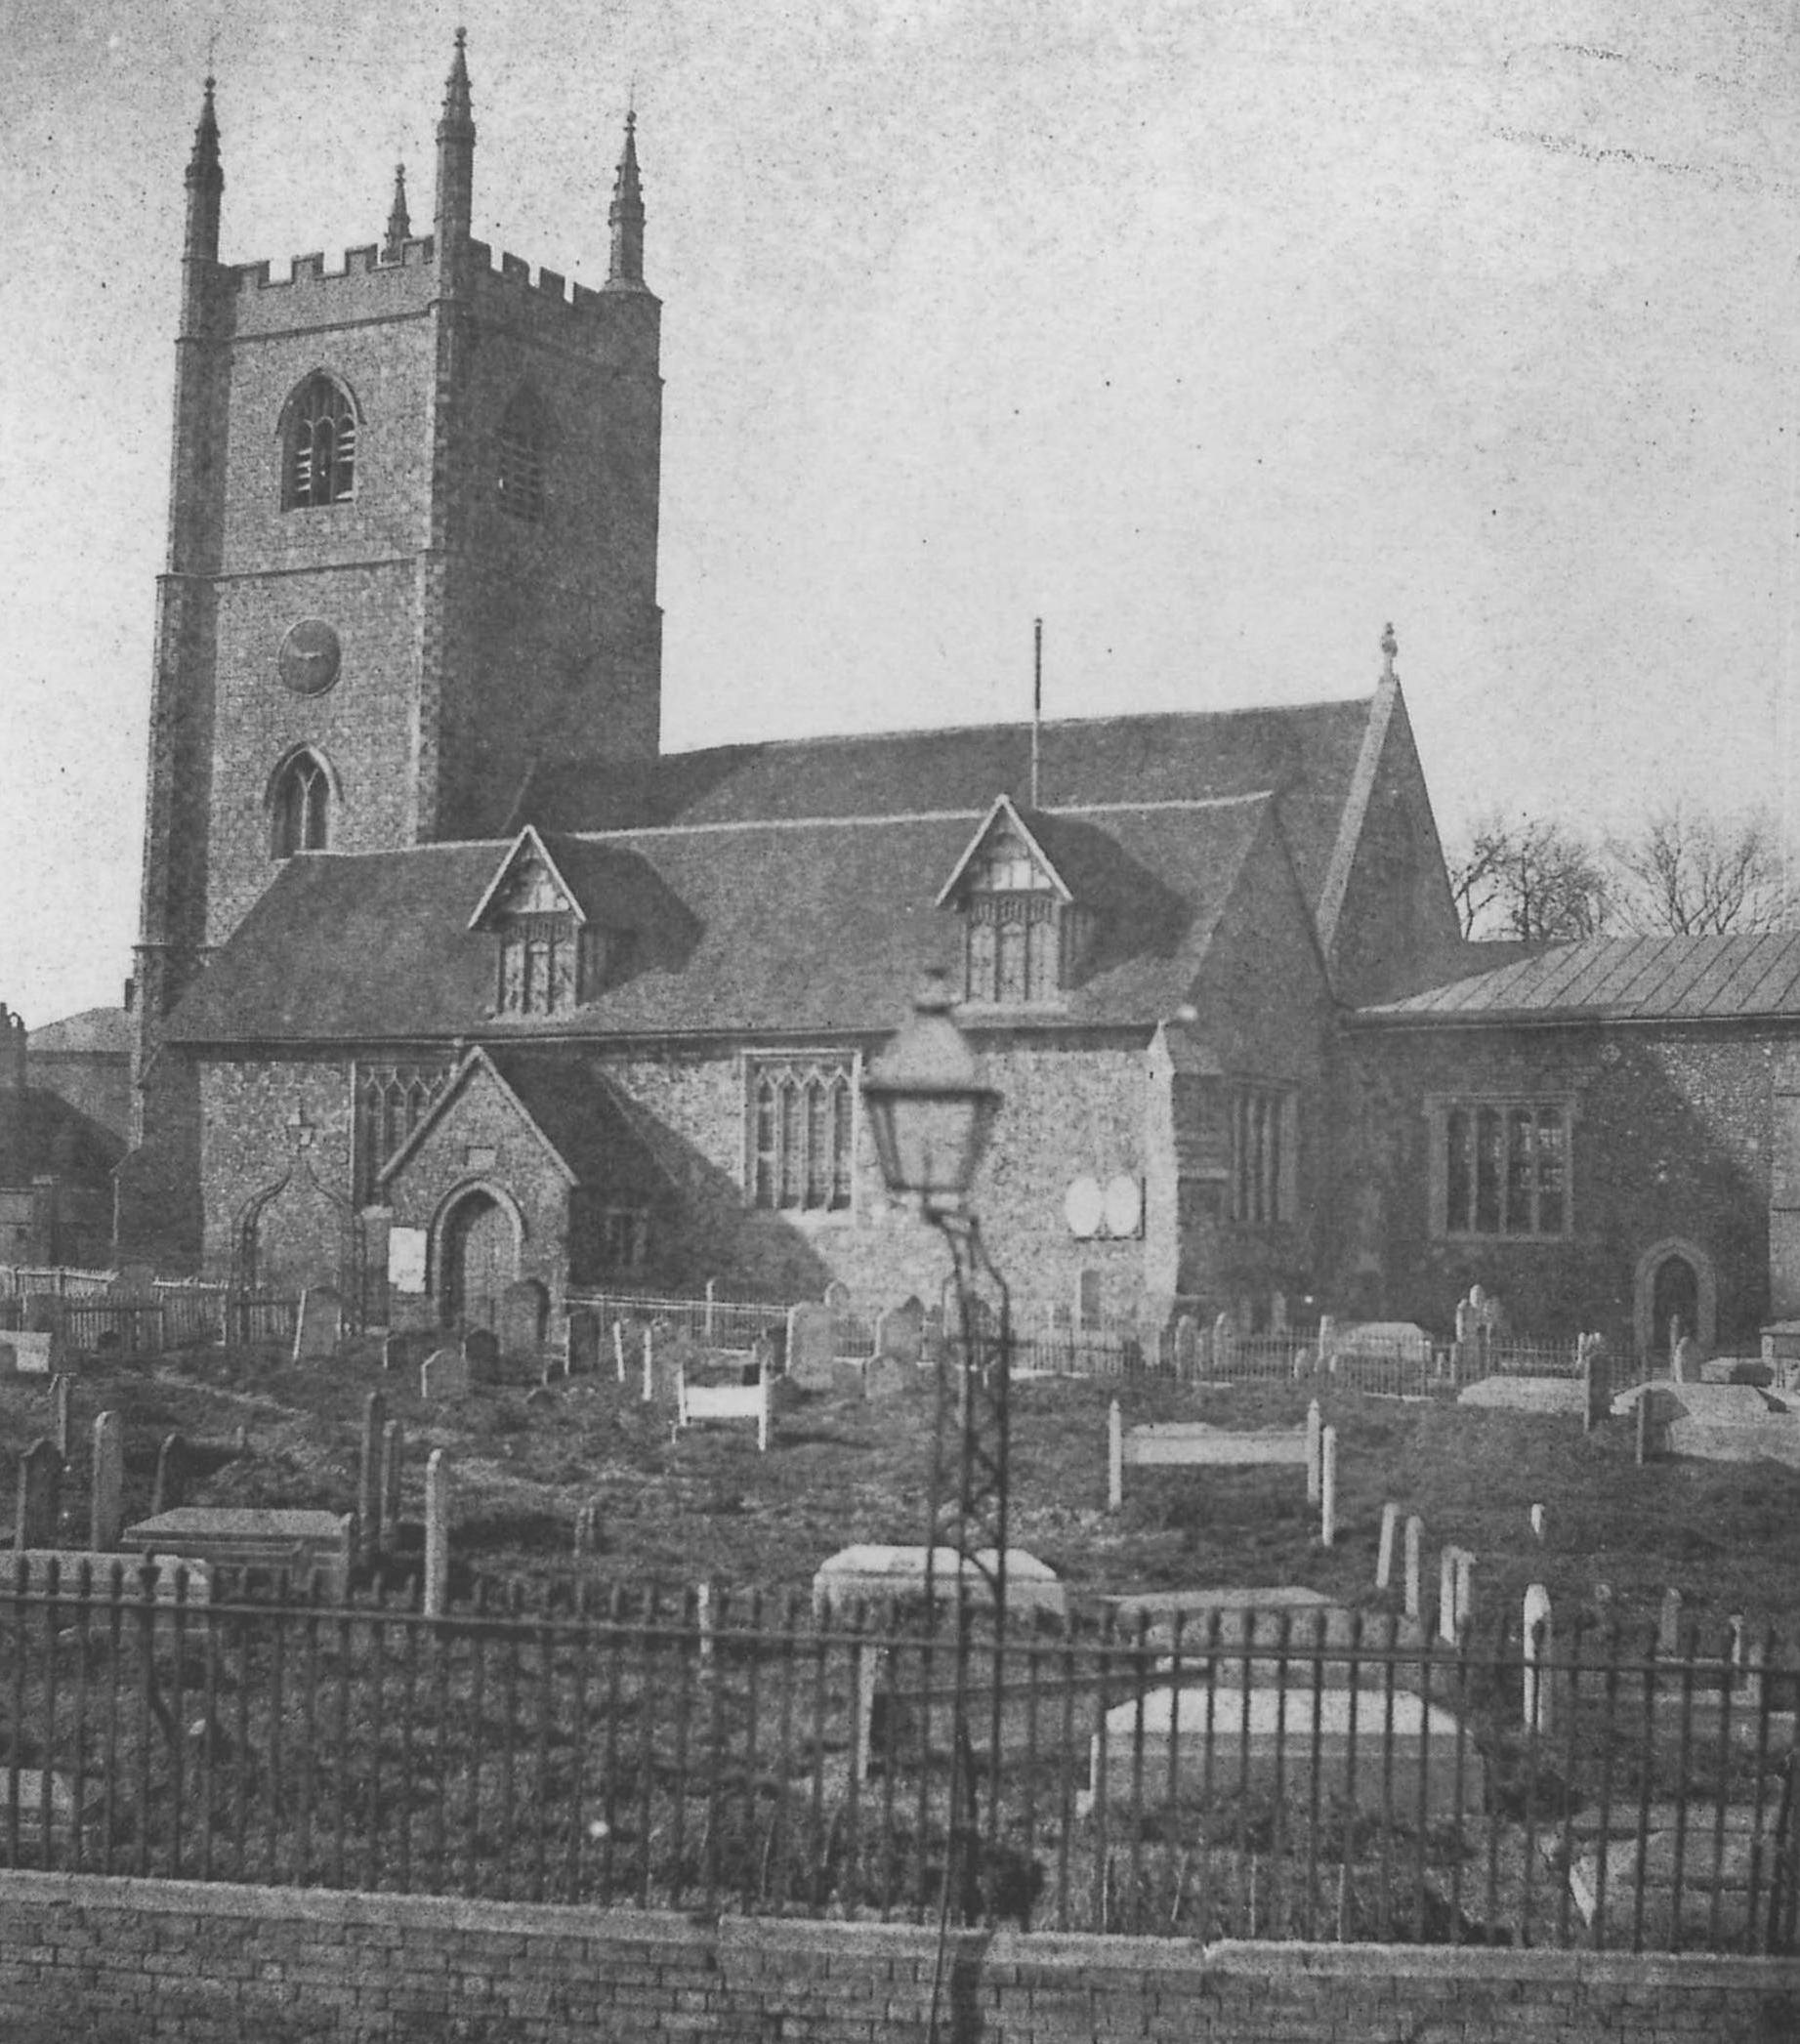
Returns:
point(532, 1455)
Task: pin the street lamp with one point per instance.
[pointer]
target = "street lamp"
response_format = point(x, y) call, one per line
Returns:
point(931, 1114)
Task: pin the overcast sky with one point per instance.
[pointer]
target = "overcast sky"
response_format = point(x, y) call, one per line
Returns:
point(1217, 335)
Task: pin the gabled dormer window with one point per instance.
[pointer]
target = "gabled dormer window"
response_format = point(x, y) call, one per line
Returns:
point(1021, 924)
point(548, 956)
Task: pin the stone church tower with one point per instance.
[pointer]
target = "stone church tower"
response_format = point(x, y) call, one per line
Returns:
point(412, 550)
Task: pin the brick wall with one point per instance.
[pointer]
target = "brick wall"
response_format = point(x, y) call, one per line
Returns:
point(90, 1961)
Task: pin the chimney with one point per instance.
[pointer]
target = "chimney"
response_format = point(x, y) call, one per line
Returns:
point(11, 1051)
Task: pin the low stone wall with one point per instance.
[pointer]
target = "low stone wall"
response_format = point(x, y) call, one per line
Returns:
point(85, 1960)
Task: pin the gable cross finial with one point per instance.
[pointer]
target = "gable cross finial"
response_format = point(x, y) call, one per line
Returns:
point(1390, 645)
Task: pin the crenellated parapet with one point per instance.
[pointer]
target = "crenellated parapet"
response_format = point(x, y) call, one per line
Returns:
point(543, 286)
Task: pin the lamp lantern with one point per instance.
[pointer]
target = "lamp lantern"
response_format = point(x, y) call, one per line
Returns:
point(930, 1112)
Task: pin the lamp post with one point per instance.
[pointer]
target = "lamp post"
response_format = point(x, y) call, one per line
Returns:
point(931, 1114)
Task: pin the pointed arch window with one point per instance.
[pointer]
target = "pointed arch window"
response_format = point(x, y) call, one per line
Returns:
point(300, 806)
point(521, 445)
point(802, 1134)
point(319, 459)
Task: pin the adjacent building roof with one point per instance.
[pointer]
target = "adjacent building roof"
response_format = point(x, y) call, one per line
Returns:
point(94, 1031)
point(783, 925)
point(1629, 979)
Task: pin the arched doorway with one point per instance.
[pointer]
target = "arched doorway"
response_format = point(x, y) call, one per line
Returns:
point(1675, 1279)
point(478, 1257)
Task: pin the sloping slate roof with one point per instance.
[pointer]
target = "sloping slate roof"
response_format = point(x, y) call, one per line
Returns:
point(93, 1029)
point(1308, 752)
point(41, 1134)
point(581, 1117)
point(1631, 979)
point(755, 927)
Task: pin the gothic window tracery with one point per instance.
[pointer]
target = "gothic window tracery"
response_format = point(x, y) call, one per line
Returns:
point(300, 806)
point(520, 445)
point(802, 1133)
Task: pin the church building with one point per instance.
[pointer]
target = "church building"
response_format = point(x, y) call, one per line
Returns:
point(449, 978)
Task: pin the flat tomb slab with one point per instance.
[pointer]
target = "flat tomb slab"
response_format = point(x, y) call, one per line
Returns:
point(872, 1574)
point(1406, 1752)
point(251, 1538)
point(1554, 1395)
point(1193, 1444)
point(1167, 1604)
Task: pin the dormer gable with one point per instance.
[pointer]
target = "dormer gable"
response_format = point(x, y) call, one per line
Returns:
point(550, 955)
point(1023, 930)
point(526, 882)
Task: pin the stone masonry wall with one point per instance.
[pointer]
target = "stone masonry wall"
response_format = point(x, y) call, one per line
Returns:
point(245, 1147)
point(85, 1960)
point(1672, 1138)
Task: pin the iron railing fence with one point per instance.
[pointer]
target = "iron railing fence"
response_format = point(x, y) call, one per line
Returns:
point(724, 1324)
point(1277, 1777)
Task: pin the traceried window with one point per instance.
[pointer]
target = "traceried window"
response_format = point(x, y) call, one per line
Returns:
point(319, 464)
point(802, 1133)
point(624, 1239)
point(1264, 1129)
point(1503, 1167)
point(299, 806)
point(392, 1100)
point(540, 965)
point(521, 445)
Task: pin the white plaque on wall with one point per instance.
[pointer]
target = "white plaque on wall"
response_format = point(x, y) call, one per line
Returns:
point(406, 1259)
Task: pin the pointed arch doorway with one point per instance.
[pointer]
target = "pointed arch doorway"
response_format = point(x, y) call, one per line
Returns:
point(478, 1259)
point(1675, 1280)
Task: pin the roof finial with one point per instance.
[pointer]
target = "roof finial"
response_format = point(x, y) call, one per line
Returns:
point(399, 221)
point(456, 106)
point(1390, 645)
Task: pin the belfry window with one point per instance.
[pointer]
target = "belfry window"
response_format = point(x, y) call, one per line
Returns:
point(299, 806)
point(319, 464)
point(521, 448)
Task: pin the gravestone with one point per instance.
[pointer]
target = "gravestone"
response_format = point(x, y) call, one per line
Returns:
point(1538, 1645)
point(888, 1377)
point(1668, 1625)
point(587, 1531)
point(1685, 1362)
point(481, 1352)
point(318, 1326)
point(811, 1339)
point(392, 1456)
point(407, 1348)
point(524, 1309)
point(903, 1331)
point(1327, 1487)
point(107, 1517)
point(38, 1353)
point(584, 1345)
point(437, 1536)
point(1384, 1555)
point(444, 1376)
point(837, 1296)
point(165, 1491)
point(368, 1474)
point(40, 1495)
point(299, 1544)
point(1416, 1548)
point(1186, 1346)
point(1315, 1434)
point(62, 1412)
point(1538, 1524)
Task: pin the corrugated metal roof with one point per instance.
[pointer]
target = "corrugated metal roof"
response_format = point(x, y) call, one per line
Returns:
point(1630, 979)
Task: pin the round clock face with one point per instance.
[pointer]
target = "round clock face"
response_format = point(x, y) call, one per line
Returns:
point(309, 656)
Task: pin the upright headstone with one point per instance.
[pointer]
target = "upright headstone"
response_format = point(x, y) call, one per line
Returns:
point(1538, 1524)
point(650, 1364)
point(1416, 1549)
point(810, 1340)
point(1224, 1342)
point(107, 1517)
point(1465, 1588)
point(437, 1536)
point(368, 1474)
point(1384, 1553)
point(587, 1531)
point(318, 1327)
point(1643, 1425)
point(1186, 1346)
point(1327, 1487)
point(1538, 1651)
point(392, 1458)
point(444, 1376)
point(902, 1332)
point(1278, 1312)
point(166, 1489)
point(40, 1496)
point(1115, 1457)
point(1446, 1595)
point(524, 1309)
point(1687, 1361)
point(583, 1350)
point(1314, 1435)
point(1668, 1625)
point(481, 1352)
point(63, 1412)
point(837, 1296)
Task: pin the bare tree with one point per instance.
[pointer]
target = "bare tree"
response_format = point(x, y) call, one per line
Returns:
point(1529, 878)
point(1701, 876)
